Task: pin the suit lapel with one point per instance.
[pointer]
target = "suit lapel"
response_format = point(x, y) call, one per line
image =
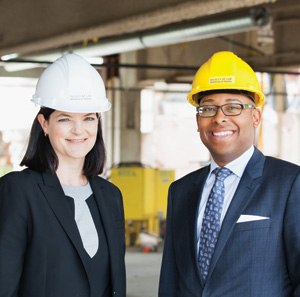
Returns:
point(190, 217)
point(195, 207)
point(54, 194)
point(246, 189)
point(197, 199)
point(102, 195)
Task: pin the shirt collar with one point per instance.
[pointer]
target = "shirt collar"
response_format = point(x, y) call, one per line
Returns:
point(238, 165)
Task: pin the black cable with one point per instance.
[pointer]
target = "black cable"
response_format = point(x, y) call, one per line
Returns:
point(240, 44)
point(145, 66)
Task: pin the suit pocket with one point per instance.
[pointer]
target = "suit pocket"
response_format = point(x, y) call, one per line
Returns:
point(244, 226)
point(120, 224)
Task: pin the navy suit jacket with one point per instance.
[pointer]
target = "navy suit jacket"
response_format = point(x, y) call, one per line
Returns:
point(259, 258)
point(41, 252)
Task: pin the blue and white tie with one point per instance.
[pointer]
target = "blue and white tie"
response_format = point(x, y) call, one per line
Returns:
point(211, 221)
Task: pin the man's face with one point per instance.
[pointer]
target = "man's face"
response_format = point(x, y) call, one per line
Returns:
point(228, 137)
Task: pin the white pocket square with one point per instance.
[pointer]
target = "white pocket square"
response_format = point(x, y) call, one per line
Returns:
point(249, 218)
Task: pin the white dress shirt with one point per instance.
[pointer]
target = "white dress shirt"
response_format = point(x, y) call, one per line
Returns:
point(231, 183)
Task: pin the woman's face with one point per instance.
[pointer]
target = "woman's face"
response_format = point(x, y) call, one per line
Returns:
point(72, 135)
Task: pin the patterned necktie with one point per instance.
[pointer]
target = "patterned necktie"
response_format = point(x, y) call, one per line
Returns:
point(211, 221)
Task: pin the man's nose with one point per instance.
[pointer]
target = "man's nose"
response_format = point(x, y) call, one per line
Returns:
point(220, 116)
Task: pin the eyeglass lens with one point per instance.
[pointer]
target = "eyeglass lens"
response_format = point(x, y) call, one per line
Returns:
point(228, 109)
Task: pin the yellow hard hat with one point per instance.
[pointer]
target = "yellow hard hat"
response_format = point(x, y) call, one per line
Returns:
point(225, 71)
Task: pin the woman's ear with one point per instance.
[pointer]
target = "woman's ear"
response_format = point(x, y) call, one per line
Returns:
point(43, 123)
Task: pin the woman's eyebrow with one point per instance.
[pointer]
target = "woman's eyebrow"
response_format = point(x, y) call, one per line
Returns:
point(63, 115)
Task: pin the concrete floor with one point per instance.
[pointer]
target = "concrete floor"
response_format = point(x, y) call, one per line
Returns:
point(142, 270)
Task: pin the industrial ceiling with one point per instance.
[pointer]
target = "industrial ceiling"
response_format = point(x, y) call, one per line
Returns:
point(34, 30)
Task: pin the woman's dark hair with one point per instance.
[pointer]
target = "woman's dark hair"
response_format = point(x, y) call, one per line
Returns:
point(41, 157)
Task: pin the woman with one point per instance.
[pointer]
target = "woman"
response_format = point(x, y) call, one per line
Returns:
point(61, 225)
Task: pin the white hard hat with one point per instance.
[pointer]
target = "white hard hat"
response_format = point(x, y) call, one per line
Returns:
point(71, 84)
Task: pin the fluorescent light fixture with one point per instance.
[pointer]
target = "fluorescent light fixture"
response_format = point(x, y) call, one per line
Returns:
point(24, 65)
point(14, 66)
point(95, 60)
point(9, 57)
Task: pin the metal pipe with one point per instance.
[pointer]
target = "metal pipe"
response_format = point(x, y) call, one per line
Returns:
point(242, 22)
point(172, 34)
point(178, 33)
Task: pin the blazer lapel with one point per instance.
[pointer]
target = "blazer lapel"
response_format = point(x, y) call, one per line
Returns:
point(102, 195)
point(246, 189)
point(192, 213)
point(54, 194)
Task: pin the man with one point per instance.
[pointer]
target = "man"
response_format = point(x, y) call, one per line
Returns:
point(232, 227)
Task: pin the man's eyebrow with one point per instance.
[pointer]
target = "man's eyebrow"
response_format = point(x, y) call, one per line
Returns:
point(233, 100)
point(210, 100)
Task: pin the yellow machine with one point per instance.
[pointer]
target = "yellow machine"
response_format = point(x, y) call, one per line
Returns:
point(145, 192)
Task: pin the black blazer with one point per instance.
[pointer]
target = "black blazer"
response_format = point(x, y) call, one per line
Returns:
point(41, 252)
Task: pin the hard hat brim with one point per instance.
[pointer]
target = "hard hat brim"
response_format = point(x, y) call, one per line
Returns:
point(193, 97)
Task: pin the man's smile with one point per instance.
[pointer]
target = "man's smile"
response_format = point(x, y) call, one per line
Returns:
point(222, 133)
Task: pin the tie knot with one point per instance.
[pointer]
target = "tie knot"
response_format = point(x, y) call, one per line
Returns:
point(222, 173)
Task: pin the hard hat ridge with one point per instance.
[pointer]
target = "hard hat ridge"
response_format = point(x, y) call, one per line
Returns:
point(71, 84)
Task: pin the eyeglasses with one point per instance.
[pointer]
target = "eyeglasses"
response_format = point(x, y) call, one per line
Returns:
point(230, 109)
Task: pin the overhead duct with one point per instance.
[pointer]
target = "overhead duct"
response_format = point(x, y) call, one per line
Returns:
point(177, 33)
point(206, 29)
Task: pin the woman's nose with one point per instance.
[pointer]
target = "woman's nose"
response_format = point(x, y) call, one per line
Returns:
point(77, 128)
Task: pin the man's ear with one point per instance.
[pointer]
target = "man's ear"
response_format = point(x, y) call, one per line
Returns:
point(197, 120)
point(256, 117)
point(43, 123)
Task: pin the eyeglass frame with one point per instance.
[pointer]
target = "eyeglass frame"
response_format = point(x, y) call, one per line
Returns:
point(243, 106)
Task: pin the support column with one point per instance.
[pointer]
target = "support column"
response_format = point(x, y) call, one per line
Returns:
point(130, 112)
point(122, 122)
point(113, 125)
